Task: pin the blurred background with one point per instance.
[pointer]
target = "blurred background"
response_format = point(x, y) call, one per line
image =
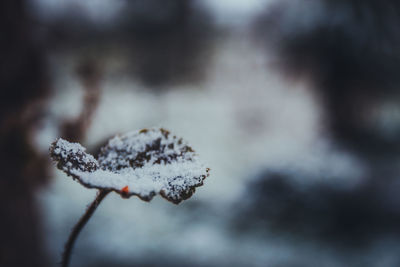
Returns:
point(293, 104)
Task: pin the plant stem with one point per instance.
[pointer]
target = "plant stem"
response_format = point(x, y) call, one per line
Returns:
point(79, 226)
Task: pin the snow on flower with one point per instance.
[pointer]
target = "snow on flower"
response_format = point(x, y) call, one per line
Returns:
point(142, 163)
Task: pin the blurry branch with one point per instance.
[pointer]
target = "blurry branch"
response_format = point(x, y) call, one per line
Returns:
point(89, 74)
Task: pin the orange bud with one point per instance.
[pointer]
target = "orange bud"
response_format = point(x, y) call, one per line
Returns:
point(125, 190)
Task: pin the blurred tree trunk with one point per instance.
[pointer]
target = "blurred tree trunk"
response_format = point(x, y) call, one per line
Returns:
point(22, 86)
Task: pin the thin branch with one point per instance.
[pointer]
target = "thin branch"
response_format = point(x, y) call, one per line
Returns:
point(79, 226)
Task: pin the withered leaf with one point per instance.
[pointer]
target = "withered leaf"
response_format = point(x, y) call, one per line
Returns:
point(142, 163)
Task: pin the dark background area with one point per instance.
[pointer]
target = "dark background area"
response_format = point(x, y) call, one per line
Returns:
point(294, 104)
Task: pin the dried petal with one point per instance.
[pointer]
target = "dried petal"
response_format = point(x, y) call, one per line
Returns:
point(72, 157)
point(142, 163)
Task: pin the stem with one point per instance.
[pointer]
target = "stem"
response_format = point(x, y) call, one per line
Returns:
point(79, 226)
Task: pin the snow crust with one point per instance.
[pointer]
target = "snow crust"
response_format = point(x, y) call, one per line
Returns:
point(142, 163)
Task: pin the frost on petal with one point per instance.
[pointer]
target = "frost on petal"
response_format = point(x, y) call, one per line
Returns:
point(146, 163)
point(72, 157)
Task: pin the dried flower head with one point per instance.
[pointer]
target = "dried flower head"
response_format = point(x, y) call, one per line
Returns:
point(142, 163)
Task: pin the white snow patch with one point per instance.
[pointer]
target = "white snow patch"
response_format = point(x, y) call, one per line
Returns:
point(142, 163)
